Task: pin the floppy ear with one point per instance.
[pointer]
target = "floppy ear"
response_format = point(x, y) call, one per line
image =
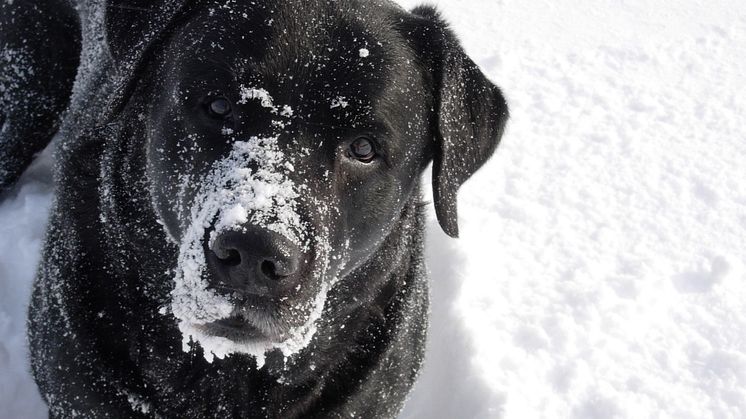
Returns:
point(133, 28)
point(133, 25)
point(471, 112)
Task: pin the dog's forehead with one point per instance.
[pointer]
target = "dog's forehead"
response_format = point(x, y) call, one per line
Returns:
point(339, 52)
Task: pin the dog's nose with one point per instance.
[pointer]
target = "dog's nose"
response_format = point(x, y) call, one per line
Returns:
point(254, 261)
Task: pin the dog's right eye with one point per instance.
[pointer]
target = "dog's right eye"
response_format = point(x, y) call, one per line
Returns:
point(219, 108)
point(363, 150)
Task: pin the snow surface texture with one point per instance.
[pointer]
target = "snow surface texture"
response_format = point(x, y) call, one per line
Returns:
point(600, 272)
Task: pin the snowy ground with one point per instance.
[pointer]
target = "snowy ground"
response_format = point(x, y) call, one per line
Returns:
point(601, 269)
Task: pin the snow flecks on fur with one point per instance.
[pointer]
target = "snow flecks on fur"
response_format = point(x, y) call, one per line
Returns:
point(266, 100)
point(263, 196)
point(251, 93)
point(250, 186)
point(286, 111)
point(14, 71)
point(339, 102)
point(294, 341)
point(138, 405)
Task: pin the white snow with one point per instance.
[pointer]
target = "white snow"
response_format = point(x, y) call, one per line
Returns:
point(251, 93)
point(266, 101)
point(250, 185)
point(364, 52)
point(22, 223)
point(339, 102)
point(287, 111)
point(600, 273)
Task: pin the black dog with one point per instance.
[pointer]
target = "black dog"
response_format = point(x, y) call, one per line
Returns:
point(238, 225)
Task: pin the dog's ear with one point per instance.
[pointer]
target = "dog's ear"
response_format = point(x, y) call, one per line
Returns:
point(471, 112)
point(132, 25)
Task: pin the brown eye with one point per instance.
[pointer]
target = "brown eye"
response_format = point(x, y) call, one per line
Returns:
point(219, 108)
point(362, 149)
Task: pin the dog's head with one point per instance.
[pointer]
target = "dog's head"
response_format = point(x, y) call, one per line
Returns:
point(283, 143)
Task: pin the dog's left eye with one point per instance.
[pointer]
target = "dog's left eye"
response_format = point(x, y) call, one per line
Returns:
point(363, 149)
point(219, 107)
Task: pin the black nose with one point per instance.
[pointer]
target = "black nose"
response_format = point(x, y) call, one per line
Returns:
point(254, 261)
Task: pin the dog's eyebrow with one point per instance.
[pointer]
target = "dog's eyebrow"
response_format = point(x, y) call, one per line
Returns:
point(212, 72)
point(372, 127)
point(380, 130)
point(225, 66)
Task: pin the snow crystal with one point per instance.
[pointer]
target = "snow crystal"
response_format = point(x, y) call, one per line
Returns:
point(339, 102)
point(266, 100)
point(254, 93)
point(287, 111)
point(364, 52)
point(138, 405)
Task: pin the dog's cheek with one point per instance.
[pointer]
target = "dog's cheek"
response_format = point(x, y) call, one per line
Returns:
point(180, 154)
point(173, 170)
point(371, 208)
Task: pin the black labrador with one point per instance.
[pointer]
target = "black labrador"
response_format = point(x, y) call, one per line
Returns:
point(238, 224)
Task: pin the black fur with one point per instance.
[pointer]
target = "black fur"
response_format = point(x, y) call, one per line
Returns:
point(101, 343)
point(36, 73)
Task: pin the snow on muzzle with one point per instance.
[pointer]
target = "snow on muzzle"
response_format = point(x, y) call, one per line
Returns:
point(250, 187)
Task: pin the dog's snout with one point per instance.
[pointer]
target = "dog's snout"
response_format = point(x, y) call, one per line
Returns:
point(254, 261)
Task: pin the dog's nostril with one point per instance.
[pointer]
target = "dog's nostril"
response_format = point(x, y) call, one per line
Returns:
point(269, 269)
point(230, 257)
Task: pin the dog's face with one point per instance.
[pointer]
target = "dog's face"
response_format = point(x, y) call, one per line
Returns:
point(284, 140)
point(282, 148)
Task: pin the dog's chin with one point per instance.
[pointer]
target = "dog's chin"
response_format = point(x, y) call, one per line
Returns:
point(241, 331)
point(243, 334)
point(252, 325)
